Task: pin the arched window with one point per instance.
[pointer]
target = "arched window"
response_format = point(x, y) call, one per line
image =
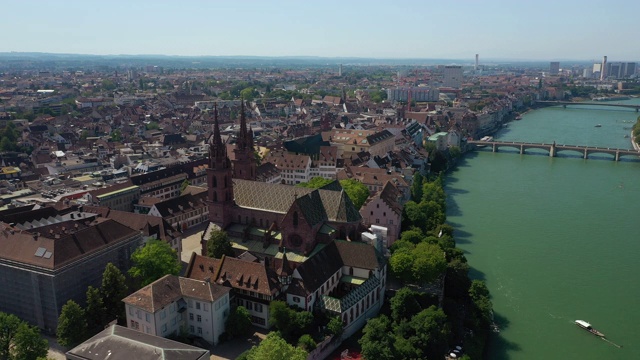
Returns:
point(225, 181)
point(215, 181)
point(215, 196)
point(295, 219)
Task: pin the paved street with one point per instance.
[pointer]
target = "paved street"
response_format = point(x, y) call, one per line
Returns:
point(191, 241)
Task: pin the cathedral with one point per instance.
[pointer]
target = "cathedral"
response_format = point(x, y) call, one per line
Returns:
point(264, 219)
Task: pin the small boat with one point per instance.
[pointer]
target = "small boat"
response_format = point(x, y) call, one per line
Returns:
point(519, 117)
point(599, 125)
point(585, 325)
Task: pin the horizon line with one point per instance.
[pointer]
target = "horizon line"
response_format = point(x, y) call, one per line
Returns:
point(470, 59)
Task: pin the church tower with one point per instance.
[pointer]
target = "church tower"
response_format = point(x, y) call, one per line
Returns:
point(219, 178)
point(244, 165)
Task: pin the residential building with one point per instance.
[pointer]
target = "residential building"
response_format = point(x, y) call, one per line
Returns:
point(384, 208)
point(173, 304)
point(554, 67)
point(418, 94)
point(182, 212)
point(117, 197)
point(452, 77)
point(351, 142)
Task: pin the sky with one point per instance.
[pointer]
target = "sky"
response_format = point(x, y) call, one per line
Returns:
point(442, 29)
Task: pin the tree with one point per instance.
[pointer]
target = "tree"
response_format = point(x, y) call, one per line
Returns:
point(275, 347)
point(413, 236)
point(404, 304)
point(28, 344)
point(113, 290)
point(72, 325)
point(239, 322)
point(335, 326)
point(482, 308)
point(280, 316)
point(315, 183)
point(153, 261)
point(95, 311)
point(306, 342)
point(416, 187)
point(219, 244)
point(357, 191)
point(377, 339)
point(9, 325)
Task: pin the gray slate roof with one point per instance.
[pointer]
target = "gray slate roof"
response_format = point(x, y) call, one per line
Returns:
point(120, 343)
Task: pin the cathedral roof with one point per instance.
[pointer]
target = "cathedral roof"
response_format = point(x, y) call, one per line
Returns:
point(319, 204)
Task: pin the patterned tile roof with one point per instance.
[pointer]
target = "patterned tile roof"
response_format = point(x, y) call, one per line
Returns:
point(278, 198)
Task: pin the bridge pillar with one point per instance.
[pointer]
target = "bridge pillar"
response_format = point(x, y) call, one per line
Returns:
point(564, 106)
point(586, 153)
point(552, 150)
point(521, 149)
point(494, 148)
point(617, 158)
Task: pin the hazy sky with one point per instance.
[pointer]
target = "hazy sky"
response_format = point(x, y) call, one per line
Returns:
point(510, 29)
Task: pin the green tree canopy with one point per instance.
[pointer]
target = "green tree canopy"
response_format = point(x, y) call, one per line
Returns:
point(315, 183)
point(95, 311)
point(113, 290)
point(275, 347)
point(416, 187)
point(404, 304)
point(357, 191)
point(239, 322)
point(219, 244)
point(306, 342)
point(153, 261)
point(72, 325)
point(28, 344)
point(9, 325)
point(335, 327)
point(18, 340)
point(420, 264)
point(377, 339)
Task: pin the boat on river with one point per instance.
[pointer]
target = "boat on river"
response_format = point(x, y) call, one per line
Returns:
point(599, 125)
point(585, 325)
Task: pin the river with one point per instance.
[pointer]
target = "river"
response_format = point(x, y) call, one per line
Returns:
point(555, 239)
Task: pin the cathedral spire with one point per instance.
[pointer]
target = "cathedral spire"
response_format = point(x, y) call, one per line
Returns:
point(217, 149)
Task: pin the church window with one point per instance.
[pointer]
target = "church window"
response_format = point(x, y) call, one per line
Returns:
point(215, 181)
point(295, 218)
point(215, 196)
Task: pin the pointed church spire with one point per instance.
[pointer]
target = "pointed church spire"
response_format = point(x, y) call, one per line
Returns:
point(217, 149)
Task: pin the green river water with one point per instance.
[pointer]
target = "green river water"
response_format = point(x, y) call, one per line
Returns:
point(556, 239)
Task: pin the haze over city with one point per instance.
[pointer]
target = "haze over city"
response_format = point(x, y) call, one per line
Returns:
point(540, 30)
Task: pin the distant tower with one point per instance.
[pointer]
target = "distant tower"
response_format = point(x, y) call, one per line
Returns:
point(244, 165)
point(603, 70)
point(475, 67)
point(219, 178)
point(340, 70)
point(554, 68)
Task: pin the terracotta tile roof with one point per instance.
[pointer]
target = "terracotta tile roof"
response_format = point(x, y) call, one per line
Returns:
point(359, 255)
point(61, 249)
point(169, 289)
point(235, 273)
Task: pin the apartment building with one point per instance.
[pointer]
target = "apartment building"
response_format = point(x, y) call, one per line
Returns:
point(173, 304)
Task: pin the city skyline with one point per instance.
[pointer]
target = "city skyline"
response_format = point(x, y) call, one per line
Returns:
point(410, 30)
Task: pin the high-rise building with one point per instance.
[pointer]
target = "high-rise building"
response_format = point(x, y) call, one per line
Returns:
point(630, 69)
point(475, 67)
point(615, 70)
point(340, 70)
point(419, 94)
point(554, 67)
point(603, 68)
point(452, 76)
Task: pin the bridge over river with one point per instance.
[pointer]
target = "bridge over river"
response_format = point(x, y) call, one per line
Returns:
point(554, 148)
point(565, 103)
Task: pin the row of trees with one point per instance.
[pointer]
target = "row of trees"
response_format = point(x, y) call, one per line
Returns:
point(19, 340)
point(424, 253)
point(636, 131)
point(413, 331)
point(357, 191)
point(293, 336)
point(104, 305)
point(151, 262)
